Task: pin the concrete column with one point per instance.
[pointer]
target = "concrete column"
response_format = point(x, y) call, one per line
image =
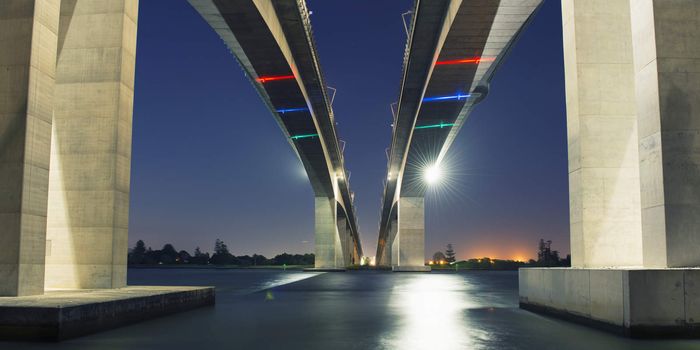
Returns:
point(666, 37)
point(327, 240)
point(393, 245)
point(91, 145)
point(342, 255)
point(28, 39)
point(602, 134)
point(409, 243)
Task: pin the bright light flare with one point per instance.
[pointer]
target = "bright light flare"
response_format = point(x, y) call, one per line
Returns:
point(433, 174)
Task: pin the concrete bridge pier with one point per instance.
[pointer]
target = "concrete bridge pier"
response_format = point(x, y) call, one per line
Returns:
point(408, 232)
point(28, 41)
point(330, 235)
point(66, 102)
point(633, 111)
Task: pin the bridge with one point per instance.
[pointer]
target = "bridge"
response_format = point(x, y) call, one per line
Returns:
point(67, 69)
point(633, 114)
point(273, 42)
point(453, 50)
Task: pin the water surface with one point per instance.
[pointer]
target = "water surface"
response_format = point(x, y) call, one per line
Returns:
point(273, 309)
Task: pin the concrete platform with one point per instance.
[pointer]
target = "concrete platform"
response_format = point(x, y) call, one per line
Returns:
point(322, 269)
point(64, 314)
point(411, 268)
point(639, 303)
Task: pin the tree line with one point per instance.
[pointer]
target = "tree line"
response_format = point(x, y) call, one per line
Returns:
point(546, 257)
point(168, 255)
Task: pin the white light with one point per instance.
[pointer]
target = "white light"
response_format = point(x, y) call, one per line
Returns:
point(432, 174)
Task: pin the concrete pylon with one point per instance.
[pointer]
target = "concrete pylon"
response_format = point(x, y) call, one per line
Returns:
point(28, 40)
point(88, 211)
point(666, 42)
point(329, 250)
point(408, 245)
point(633, 113)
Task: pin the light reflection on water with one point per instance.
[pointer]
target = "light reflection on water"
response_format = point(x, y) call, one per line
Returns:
point(430, 310)
point(283, 279)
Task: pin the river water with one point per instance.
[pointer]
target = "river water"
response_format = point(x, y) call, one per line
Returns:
point(272, 309)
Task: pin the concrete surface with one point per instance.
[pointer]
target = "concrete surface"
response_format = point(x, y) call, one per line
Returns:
point(63, 314)
point(605, 214)
point(633, 302)
point(409, 242)
point(88, 210)
point(28, 38)
point(666, 37)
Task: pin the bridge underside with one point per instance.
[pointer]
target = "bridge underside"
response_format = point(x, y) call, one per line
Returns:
point(453, 51)
point(273, 43)
point(66, 102)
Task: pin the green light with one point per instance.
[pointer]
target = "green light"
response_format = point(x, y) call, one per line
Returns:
point(441, 125)
point(296, 137)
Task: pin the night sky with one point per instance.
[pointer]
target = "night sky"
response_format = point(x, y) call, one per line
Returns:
point(209, 161)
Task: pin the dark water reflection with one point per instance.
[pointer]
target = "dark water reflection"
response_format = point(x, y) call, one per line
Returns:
point(269, 309)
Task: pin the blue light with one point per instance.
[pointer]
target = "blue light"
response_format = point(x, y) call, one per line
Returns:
point(290, 110)
point(459, 96)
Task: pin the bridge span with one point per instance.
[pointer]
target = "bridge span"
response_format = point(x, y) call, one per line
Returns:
point(453, 50)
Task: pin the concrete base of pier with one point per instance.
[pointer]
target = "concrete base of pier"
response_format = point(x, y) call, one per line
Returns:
point(63, 314)
point(410, 268)
point(639, 303)
point(324, 269)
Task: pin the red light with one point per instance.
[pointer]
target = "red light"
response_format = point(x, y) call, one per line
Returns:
point(466, 61)
point(265, 79)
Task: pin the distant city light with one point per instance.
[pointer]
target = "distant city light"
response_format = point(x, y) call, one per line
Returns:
point(267, 78)
point(466, 61)
point(297, 137)
point(432, 174)
point(291, 110)
point(459, 96)
point(441, 125)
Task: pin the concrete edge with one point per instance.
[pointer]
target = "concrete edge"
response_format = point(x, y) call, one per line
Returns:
point(60, 323)
point(411, 269)
point(681, 331)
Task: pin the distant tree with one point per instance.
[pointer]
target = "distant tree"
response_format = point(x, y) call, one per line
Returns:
point(137, 254)
point(548, 257)
point(450, 254)
point(168, 255)
point(259, 260)
point(199, 257)
point(183, 257)
point(220, 247)
point(439, 256)
point(366, 260)
point(221, 255)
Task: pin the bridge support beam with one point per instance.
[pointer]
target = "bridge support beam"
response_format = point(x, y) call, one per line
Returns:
point(88, 210)
point(28, 39)
point(408, 244)
point(329, 248)
point(633, 112)
point(65, 127)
